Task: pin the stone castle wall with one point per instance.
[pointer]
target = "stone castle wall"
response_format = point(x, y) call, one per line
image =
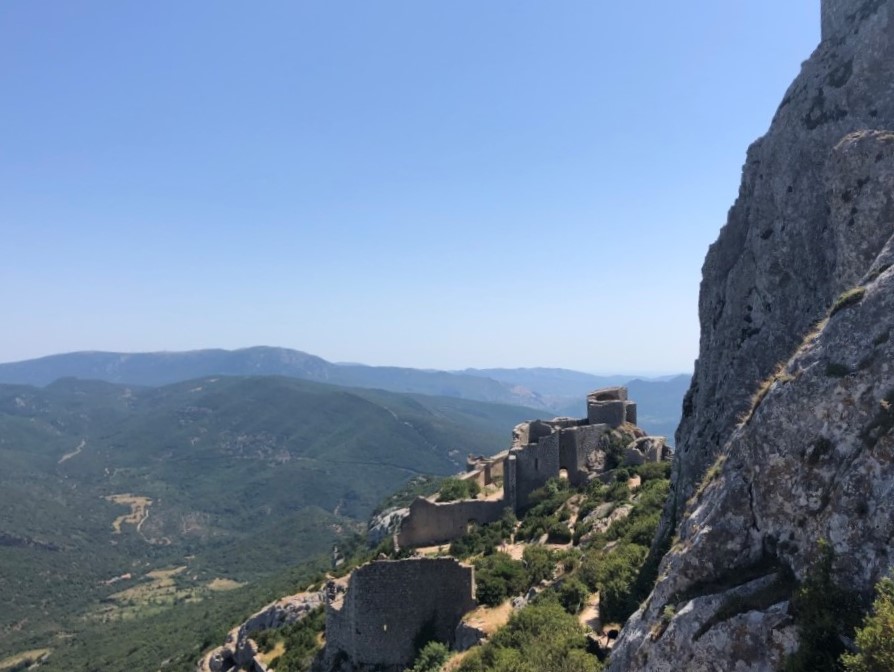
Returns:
point(576, 444)
point(540, 451)
point(390, 602)
point(431, 523)
point(536, 463)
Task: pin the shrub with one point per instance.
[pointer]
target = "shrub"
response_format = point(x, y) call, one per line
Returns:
point(484, 539)
point(559, 533)
point(823, 612)
point(573, 595)
point(539, 564)
point(651, 471)
point(875, 640)
point(300, 640)
point(542, 637)
point(497, 577)
point(431, 658)
point(622, 476)
point(533, 527)
point(456, 488)
point(614, 575)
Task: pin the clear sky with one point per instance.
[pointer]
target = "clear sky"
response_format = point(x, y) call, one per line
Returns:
point(424, 183)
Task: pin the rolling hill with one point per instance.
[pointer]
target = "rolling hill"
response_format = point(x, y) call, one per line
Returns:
point(553, 391)
point(120, 501)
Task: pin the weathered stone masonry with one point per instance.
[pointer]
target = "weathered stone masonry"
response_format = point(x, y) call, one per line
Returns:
point(440, 522)
point(541, 450)
point(388, 603)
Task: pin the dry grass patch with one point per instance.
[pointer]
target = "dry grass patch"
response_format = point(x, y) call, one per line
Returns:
point(139, 510)
point(24, 659)
point(219, 585)
point(158, 591)
point(489, 619)
point(276, 652)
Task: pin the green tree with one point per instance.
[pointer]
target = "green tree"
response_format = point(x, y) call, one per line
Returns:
point(875, 640)
point(430, 659)
point(542, 637)
point(497, 577)
point(456, 488)
point(539, 563)
point(823, 612)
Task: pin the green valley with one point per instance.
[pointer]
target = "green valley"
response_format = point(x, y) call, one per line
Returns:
point(120, 501)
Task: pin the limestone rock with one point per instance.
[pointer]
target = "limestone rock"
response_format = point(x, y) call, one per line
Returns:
point(808, 222)
point(239, 650)
point(603, 517)
point(811, 455)
point(385, 525)
point(283, 612)
point(647, 449)
point(467, 636)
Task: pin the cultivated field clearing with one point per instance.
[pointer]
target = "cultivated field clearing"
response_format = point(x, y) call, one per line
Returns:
point(139, 510)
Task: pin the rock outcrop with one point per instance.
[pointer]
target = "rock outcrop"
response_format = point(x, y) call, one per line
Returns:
point(798, 409)
point(808, 222)
point(239, 651)
point(385, 525)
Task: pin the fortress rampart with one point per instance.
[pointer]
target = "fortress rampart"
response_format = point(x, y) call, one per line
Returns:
point(431, 523)
point(388, 604)
point(541, 450)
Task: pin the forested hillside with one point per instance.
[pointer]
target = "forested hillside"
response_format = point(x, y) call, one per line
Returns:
point(119, 501)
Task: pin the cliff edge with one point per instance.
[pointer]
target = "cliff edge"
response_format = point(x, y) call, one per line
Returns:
point(797, 408)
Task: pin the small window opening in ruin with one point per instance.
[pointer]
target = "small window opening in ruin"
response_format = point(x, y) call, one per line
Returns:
point(536, 463)
point(385, 628)
point(613, 634)
point(563, 473)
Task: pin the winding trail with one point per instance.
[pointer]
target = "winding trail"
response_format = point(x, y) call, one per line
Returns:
point(74, 453)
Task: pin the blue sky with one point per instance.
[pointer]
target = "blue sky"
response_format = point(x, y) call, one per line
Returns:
point(431, 184)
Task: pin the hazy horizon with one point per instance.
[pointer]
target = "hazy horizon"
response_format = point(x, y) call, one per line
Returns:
point(427, 185)
point(607, 373)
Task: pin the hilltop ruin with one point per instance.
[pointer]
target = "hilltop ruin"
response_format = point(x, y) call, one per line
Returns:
point(541, 450)
point(378, 618)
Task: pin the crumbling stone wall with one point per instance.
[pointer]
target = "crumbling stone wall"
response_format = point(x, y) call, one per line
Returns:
point(540, 450)
point(431, 523)
point(484, 470)
point(576, 444)
point(610, 406)
point(390, 603)
point(535, 465)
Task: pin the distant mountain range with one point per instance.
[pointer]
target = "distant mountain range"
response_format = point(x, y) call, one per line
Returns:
point(558, 391)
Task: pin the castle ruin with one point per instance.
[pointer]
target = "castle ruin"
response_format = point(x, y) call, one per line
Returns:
point(390, 607)
point(378, 618)
point(541, 450)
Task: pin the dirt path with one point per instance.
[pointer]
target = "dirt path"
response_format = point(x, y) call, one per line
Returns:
point(589, 617)
point(74, 453)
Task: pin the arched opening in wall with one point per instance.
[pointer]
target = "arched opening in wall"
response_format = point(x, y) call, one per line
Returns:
point(563, 473)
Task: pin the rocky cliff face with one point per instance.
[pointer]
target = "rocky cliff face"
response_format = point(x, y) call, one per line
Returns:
point(812, 458)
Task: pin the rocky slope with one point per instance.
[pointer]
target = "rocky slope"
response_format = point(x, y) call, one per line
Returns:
point(805, 454)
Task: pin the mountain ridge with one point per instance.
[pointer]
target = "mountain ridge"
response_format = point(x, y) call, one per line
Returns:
point(559, 391)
